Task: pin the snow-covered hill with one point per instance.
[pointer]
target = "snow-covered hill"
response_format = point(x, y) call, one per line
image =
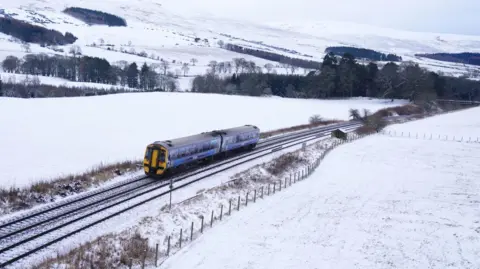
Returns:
point(167, 30)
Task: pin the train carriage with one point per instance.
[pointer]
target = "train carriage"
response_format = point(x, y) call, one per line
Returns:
point(179, 152)
point(163, 156)
point(240, 137)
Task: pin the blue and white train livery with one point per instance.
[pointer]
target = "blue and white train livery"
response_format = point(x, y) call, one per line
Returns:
point(162, 156)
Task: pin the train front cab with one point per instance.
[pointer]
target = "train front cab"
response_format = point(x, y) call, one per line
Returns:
point(155, 160)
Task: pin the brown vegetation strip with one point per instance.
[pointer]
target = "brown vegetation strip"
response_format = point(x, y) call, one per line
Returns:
point(298, 128)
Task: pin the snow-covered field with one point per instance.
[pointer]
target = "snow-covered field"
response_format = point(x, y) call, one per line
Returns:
point(69, 135)
point(155, 221)
point(402, 203)
point(167, 29)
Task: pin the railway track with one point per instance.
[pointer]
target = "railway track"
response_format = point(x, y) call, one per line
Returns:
point(36, 230)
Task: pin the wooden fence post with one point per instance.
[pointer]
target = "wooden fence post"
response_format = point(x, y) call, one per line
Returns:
point(262, 193)
point(280, 185)
point(211, 220)
point(246, 199)
point(156, 255)
point(274, 183)
point(255, 195)
point(168, 246)
point(180, 241)
point(191, 232)
point(238, 205)
point(229, 207)
point(201, 226)
point(144, 258)
point(221, 211)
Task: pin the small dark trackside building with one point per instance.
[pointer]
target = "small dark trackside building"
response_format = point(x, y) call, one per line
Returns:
point(339, 133)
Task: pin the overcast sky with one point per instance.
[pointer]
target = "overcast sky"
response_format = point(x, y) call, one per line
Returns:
point(450, 16)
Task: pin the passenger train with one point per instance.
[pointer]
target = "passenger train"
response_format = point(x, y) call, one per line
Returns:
point(162, 157)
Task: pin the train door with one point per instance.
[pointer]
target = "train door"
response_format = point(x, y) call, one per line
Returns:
point(155, 161)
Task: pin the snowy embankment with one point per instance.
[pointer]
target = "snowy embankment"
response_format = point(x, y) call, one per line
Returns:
point(407, 203)
point(129, 231)
point(70, 135)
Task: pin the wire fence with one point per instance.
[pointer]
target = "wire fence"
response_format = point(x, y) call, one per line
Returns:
point(431, 136)
point(174, 242)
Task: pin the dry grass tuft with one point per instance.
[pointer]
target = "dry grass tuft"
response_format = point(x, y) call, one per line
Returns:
point(15, 199)
point(106, 252)
point(278, 165)
point(405, 110)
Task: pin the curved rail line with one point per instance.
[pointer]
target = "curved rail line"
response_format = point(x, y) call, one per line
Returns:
point(91, 194)
point(284, 142)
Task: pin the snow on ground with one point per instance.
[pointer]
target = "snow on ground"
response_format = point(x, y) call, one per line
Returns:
point(168, 30)
point(70, 135)
point(154, 221)
point(402, 203)
point(457, 124)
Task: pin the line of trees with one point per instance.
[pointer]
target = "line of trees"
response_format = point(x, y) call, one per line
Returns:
point(93, 69)
point(29, 33)
point(30, 87)
point(273, 56)
point(368, 54)
point(95, 16)
point(341, 77)
point(464, 57)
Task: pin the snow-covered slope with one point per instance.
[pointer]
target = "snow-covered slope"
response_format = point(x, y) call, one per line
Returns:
point(69, 135)
point(167, 29)
point(379, 202)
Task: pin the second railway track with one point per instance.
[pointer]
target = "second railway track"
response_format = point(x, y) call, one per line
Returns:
point(30, 233)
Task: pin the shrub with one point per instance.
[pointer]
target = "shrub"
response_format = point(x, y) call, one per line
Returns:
point(281, 163)
point(315, 119)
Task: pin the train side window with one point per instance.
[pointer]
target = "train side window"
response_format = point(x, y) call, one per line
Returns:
point(148, 154)
point(161, 157)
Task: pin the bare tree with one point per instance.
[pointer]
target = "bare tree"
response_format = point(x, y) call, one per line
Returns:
point(238, 63)
point(165, 67)
point(293, 68)
point(75, 50)
point(228, 67)
point(285, 66)
point(26, 47)
point(185, 69)
point(250, 66)
point(220, 43)
point(269, 67)
point(193, 61)
point(221, 67)
point(213, 66)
